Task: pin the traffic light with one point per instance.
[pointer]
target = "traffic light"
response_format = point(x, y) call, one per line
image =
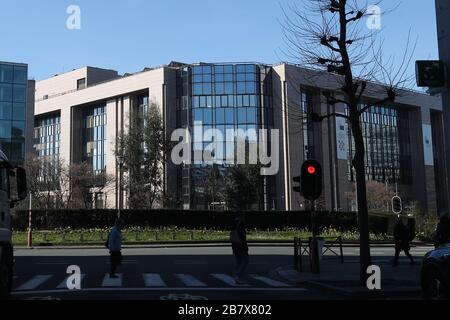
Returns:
point(397, 205)
point(430, 74)
point(311, 180)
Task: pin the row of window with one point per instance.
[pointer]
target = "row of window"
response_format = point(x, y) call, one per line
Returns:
point(13, 74)
point(15, 111)
point(221, 88)
point(225, 116)
point(13, 92)
point(47, 135)
point(94, 137)
point(228, 133)
point(219, 101)
point(239, 68)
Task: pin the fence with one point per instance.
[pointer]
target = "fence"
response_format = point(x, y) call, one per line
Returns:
point(303, 247)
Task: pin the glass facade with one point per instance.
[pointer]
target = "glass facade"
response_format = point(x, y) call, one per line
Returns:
point(47, 136)
point(224, 97)
point(383, 135)
point(94, 137)
point(13, 102)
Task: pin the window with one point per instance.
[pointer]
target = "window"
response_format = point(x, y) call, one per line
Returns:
point(20, 75)
point(5, 129)
point(5, 92)
point(81, 84)
point(20, 93)
point(6, 73)
point(5, 110)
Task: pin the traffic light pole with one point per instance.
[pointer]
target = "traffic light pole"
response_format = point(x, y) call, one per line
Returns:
point(314, 250)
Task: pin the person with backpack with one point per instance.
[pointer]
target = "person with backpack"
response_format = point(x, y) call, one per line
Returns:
point(402, 236)
point(238, 238)
point(114, 244)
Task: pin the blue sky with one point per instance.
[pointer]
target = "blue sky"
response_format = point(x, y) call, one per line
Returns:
point(130, 35)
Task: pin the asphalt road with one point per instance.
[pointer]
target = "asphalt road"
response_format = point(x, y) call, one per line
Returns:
point(192, 273)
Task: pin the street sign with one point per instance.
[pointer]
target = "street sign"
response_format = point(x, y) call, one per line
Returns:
point(397, 205)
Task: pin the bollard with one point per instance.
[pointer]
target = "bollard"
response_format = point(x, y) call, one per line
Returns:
point(342, 249)
point(300, 254)
point(314, 254)
point(191, 235)
point(296, 254)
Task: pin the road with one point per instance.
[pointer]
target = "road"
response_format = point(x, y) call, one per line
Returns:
point(166, 273)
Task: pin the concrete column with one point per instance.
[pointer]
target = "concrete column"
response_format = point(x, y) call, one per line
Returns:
point(443, 25)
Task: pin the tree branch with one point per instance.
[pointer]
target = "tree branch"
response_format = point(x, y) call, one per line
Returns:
point(390, 98)
point(317, 118)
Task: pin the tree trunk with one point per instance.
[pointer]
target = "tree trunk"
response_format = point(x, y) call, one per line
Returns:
point(363, 215)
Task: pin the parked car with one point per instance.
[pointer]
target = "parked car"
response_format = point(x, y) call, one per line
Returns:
point(436, 274)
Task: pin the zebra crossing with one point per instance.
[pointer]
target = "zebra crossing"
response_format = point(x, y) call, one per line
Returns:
point(144, 281)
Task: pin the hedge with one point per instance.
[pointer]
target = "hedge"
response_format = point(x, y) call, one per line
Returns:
point(89, 219)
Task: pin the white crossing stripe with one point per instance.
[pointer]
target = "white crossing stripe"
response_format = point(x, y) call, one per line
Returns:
point(110, 282)
point(270, 282)
point(34, 283)
point(63, 285)
point(190, 281)
point(227, 279)
point(153, 280)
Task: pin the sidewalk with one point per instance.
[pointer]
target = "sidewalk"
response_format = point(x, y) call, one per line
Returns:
point(401, 282)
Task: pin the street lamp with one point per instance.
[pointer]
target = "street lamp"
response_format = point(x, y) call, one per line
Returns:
point(120, 162)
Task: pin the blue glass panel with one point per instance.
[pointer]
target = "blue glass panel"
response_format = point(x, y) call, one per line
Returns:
point(20, 75)
point(5, 92)
point(6, 73)
point(229, 116)
point(242, 116)
point(5, 129)
point(5, 110)
point(229, 88)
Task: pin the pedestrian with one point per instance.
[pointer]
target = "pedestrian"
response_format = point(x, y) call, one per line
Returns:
point(115, 247)
point(442, 236)
point(238, 238)
point(403, 240)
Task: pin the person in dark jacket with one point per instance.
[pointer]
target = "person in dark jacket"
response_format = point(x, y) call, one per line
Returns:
point(442, 236)
point(115, 248)
point(239, 244)
point(402, 237)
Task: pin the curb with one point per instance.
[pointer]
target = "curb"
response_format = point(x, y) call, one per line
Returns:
point(403, 292)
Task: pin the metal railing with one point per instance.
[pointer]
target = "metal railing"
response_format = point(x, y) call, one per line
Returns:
point(302, 247)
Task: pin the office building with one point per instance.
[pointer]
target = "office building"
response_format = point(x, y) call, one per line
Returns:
point(79, 116)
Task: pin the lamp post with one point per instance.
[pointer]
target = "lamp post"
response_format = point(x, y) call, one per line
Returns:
point(30, 227)
point(120, 162)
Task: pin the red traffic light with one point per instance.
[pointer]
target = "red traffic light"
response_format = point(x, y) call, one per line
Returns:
point(312, 170)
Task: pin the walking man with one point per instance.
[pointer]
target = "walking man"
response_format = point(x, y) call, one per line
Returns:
point(238, 238)
point(402, 237)
point(115, 248)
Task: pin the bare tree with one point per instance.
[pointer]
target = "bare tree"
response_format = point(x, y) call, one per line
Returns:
point(54, 184)
point(379, 196)
point(329, 35)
